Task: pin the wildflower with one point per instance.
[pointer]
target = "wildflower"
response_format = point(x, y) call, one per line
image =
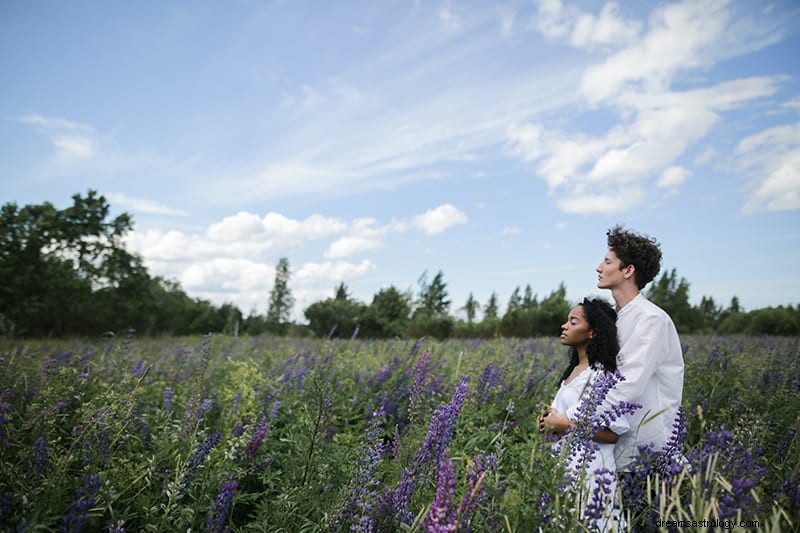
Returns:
point(236, 400)
point(198, 456)
point(417, 396)
point(441, 516)
point(218, 517)
point(205, 405)
point(238, 428)
point(168, 399)
point(39, 459)
point(256, 439)
point(75, 520)
point(362, 489)
point(476, 491)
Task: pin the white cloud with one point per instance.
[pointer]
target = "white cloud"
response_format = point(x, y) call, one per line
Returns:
point(708, 154)
point(274, 228)
point(583, 29)
point(679, 38)
point(142, 205)
point(332, 272)
point(794, 103)
point(438, 219)
point(773, 156)
point(346, 246)
point(603, 203)
point(673, 177)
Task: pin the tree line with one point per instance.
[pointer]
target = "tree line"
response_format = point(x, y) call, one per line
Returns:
point(66, 272)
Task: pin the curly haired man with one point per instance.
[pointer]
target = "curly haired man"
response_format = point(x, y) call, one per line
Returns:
point(650, 355)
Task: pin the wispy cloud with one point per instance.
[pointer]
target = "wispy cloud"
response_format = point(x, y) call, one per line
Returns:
point(142, 205)
point(655, 125)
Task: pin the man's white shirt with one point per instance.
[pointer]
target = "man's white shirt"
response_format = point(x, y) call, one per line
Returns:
point(651, 360)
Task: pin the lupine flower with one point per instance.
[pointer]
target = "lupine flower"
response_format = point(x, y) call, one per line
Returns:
point(238, 428)
point(419, 387)
point(198, 456)
point(39, 459)
point(441, 517)
point(256, 439)
point(600, 501)
point(75, 520)
point(168, 399)
point(218, 516)
point(491, 379)
point(440, 433)
point(205, 405)
point(362, 490)
point(476, 491)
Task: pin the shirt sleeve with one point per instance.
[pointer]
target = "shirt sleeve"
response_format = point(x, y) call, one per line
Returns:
point(639, 359)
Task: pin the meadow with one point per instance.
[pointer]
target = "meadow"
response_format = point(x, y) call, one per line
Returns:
point(271, 434)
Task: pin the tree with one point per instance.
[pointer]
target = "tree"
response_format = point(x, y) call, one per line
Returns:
point(53, 261)
point(280, 300)
point(388, 314)
point(433, 297)
point(514, 302)
point(338, 316)
point(490, 311)
point(529, 301)
point(471, 308)
point(672, 294)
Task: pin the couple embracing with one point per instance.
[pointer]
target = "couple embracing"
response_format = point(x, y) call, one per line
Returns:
point(632, 352)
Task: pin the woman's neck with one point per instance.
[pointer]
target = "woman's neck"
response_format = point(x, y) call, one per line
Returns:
point(583, 357)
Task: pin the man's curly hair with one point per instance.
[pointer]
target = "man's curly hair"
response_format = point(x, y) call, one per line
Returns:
point(641, 251)
point(604, 345)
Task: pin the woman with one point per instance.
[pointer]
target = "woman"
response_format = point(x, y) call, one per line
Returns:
point(591, 334)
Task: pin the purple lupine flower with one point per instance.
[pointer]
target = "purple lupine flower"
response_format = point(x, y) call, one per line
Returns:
point(256, 439)
point(39, 459)
point(491, 379)
point(198, 456)
point(273, 412)
point(168, 399)
point(85, 372)
point(238, 428)
point(205, 405)
point(440, 433)
point(75, 520)
point(419, 387)
point(600, 501)
point(476, 491)
point(327, 418)
point(218, 516)
point(441, 517)
point(362, 490)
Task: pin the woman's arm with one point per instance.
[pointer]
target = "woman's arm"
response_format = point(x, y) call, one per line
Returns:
point(558, 422)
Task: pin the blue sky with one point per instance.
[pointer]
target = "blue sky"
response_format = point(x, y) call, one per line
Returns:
point(371, 141)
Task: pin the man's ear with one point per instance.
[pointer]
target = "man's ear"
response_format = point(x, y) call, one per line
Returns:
point(629, 271)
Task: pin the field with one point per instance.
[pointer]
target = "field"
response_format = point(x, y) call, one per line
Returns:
point(269, 434)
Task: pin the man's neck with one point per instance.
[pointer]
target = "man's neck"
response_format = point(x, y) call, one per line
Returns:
point(623, 295)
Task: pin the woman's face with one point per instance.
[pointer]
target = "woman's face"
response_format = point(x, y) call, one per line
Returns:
point(575, 331)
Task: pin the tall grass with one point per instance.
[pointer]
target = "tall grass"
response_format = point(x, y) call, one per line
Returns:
point(268, 434)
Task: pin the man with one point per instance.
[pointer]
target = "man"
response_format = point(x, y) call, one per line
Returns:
point(650, 356)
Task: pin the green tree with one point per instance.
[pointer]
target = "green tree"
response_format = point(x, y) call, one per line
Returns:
point(280, 300)
point(53, 261)
point(388, 314)
point(338, 316)
point(471, 308)
point(490, 311)
point(672, 294)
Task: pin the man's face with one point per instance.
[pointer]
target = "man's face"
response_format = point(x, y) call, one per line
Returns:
point(610, 273)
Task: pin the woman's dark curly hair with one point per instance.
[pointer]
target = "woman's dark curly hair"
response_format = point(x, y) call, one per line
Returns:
point(641, 251)
point(604, 345)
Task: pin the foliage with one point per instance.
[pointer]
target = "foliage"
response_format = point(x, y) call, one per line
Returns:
point(275, 434)
point(280, 299)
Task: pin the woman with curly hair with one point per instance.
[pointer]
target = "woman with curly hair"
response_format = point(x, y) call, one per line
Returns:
point(591, 334)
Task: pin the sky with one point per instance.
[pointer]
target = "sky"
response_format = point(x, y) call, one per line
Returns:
point(371, 142)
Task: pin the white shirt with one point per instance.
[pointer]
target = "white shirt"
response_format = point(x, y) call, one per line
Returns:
point(651, 360)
